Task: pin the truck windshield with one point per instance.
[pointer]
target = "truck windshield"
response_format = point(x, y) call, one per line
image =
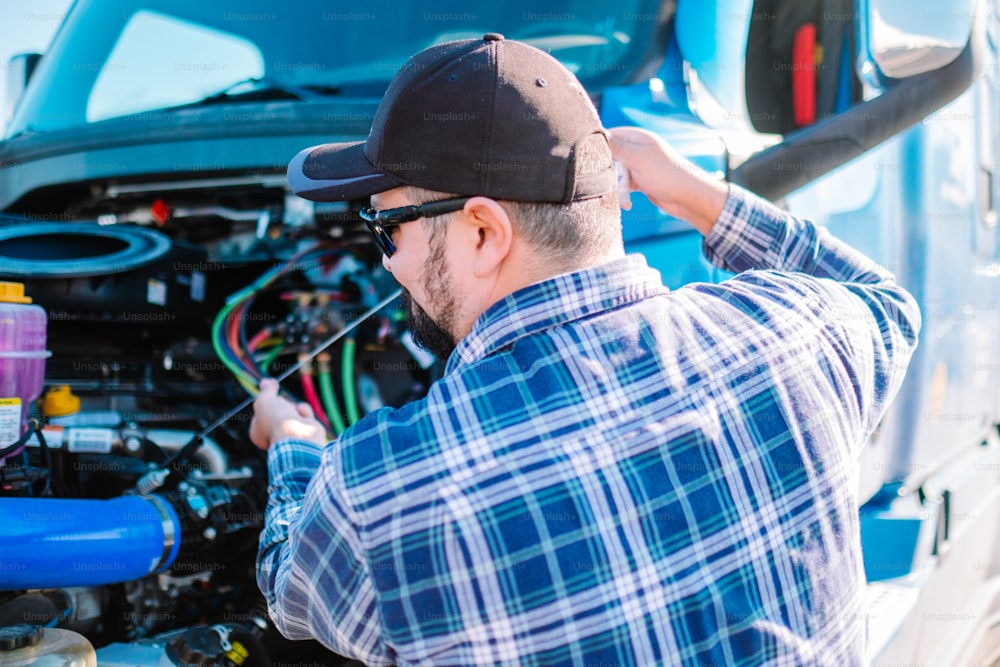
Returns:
point(116, 58)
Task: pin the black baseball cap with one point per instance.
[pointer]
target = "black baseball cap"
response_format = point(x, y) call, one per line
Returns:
point(486, 116)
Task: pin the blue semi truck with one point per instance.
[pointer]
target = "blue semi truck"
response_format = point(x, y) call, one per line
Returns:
point(144, 207)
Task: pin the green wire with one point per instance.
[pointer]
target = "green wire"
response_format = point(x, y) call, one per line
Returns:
point(330, 400)
point(347, 379)
point(244, 378)
point(265, 364)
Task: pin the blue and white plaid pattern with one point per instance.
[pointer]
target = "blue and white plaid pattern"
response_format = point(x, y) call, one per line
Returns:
point(611, 473)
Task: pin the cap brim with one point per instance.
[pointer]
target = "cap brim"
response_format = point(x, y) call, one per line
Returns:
point(337, 172)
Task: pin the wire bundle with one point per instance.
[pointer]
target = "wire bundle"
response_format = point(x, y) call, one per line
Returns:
point(250, 360)
point(229, 335)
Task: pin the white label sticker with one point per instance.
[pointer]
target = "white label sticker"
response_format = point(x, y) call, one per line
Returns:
point(156, 292)
point(10, 420)
point(89, 440)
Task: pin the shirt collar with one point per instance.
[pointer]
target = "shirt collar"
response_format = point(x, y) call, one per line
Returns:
point(555, 301)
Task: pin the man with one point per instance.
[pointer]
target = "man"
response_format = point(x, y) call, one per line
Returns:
point(608, 472)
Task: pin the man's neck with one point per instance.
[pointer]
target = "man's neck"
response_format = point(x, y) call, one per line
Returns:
point(534, 267)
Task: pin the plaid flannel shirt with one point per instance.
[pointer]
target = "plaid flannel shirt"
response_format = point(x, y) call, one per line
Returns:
point(612, 473)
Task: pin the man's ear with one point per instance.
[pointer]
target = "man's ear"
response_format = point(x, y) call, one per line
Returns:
point(493, 234)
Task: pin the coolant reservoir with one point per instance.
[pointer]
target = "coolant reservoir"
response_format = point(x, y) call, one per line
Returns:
point(31, 646)
point(22, 359)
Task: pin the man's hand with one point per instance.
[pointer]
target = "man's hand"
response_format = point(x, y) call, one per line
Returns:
point(276, 418)
point(668, 179)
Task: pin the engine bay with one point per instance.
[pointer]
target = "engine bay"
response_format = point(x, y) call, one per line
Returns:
point(166, 302)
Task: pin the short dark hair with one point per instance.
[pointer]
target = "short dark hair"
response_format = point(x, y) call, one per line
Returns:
point(569, 233)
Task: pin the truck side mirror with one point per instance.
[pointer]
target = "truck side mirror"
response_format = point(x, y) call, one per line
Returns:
point(903, 38)
point(19, 70)
point(809, 152)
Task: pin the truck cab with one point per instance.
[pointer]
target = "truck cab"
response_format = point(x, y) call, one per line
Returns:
point(144, 206)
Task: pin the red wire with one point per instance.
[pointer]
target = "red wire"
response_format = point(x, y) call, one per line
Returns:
point(312, 398)
point(234, 336)
point(232, 331)
point(259, 338)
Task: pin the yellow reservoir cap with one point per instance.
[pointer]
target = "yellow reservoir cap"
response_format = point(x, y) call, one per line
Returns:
point(13, 293)
point(60, 402)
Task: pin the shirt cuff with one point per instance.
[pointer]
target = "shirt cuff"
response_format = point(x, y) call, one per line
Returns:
point(289, 454)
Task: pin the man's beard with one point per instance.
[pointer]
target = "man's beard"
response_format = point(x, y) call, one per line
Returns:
point(434, 336)
point(427, 333)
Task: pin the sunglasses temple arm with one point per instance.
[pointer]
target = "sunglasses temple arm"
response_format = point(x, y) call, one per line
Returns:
point(433, 208)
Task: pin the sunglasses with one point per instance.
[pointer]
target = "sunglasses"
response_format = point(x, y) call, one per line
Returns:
point(383, 223)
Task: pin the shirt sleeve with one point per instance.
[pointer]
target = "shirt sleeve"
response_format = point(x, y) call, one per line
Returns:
point(873, 321)
point(311, 566)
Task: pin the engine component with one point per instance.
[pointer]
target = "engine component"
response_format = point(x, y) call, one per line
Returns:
point(35, 608)
point(112, 540)
point(76, 250)
point(86, 607)
point(223, 645)
point(126, 274)
point(60, 403)
point(216, 646)
point(28, 645)
point(217, 520)
point(211, 458)
point(22, 361)
point(123, 538)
